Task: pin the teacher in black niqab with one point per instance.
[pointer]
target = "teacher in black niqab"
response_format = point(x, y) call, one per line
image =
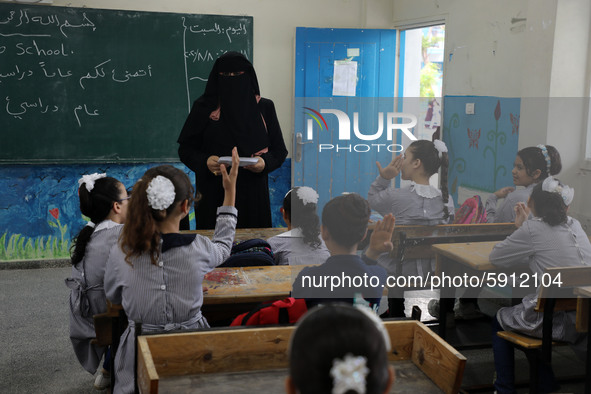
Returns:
point(231, 113)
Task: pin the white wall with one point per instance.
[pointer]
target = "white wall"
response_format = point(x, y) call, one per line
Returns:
point(274, 32)
point(543, 59)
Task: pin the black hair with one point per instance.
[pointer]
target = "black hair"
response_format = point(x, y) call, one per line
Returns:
point(549, 206)
point(331, 332)
point(140, 233)
point(346, 217)
point(533, 159)
point(96, 205)
point(425, 151)
point(304, 217)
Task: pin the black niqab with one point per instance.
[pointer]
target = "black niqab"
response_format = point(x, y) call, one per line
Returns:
point(236, 97)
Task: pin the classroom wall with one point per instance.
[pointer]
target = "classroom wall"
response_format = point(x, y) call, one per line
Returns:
point(535, 51)
point(38, 204)
point(516, 53)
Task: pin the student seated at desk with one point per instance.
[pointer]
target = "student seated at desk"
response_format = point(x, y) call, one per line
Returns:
point(301, 244)
point(339, 349)
point(550, 239)
point(345, 274)
point(420, 203)
point(532, 165)
point(104, 200)
point(155, 272)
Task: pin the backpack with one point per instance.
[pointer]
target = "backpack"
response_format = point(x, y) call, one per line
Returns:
point(250, 253)
point(471, 211)
point(286, 311)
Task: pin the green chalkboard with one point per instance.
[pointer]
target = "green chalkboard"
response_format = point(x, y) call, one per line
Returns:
point(95, 85)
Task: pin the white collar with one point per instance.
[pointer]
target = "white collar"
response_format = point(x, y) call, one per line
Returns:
point(293, 233)
point(426, 191)
point(106, 224)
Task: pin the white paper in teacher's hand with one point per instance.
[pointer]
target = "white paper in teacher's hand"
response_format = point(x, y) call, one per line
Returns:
point(244, 161)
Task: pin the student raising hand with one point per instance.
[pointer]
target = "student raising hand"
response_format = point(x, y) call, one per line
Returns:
point(392, 170)
point(381, 237)
point(229, 180)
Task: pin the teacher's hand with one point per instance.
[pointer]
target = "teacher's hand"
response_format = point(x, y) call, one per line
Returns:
point(258, 167)
point(213, 165)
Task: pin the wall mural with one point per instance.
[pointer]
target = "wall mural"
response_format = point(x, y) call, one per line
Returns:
point(40, 211)
point(482, 146)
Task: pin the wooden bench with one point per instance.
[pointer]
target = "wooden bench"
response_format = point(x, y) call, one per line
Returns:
point(237, 358)
point(552, 298)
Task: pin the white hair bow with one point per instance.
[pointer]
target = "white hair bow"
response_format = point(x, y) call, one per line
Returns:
point(160, 193)
point(553, 185)
point(307, 195)
point(89, 180)
point(440, 146)
point(349, 374)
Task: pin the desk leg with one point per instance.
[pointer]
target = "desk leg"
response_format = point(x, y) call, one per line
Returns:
point(446, 297)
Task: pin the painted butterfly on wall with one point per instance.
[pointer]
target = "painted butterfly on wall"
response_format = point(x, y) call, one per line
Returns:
point(473, 136)
point(514, 123)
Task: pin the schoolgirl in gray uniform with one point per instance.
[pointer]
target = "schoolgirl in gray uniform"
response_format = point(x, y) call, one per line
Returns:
point(301, 244)
point(550, 239)
point(420, 203)
point(104, 200)
point(157, 273)
point(532, 165)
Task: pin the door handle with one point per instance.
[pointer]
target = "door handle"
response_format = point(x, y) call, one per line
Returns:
point(299, 147)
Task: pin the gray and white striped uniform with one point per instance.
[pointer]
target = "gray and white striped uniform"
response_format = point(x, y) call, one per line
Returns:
point(413, 205)
point(541, 246)
point(168, 295)
point(289, 248)
point(87, 295)
point(506, 211)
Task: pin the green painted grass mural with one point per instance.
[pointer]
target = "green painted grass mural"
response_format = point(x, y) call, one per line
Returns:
point(19, 247)
point(39, 205)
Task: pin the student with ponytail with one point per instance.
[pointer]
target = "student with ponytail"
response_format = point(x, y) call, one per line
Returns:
point(155, 272)
point(532, 165)
point(550, 238)
point(301, 244)
point(104, 200)
point(338, 348)
point(419, 203)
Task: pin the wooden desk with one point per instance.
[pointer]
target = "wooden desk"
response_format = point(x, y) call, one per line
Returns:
point(242, 234)
point(457, 259)
point(181, 362)
point(249, 284)
point(232, 291)
point(473, 255)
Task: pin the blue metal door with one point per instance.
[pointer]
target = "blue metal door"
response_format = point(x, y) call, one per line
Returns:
point(325, 157)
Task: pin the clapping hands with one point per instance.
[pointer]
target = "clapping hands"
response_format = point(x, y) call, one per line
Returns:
point(381, 237)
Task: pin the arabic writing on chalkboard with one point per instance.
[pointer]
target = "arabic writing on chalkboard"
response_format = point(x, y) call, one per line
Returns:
point(84, 76)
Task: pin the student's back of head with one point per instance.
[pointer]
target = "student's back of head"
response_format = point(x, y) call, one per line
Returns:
point(338, 348)
point(346, 217)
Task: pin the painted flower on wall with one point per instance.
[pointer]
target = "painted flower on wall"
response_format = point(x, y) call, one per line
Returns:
point(498, 110)
point(55, 213)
